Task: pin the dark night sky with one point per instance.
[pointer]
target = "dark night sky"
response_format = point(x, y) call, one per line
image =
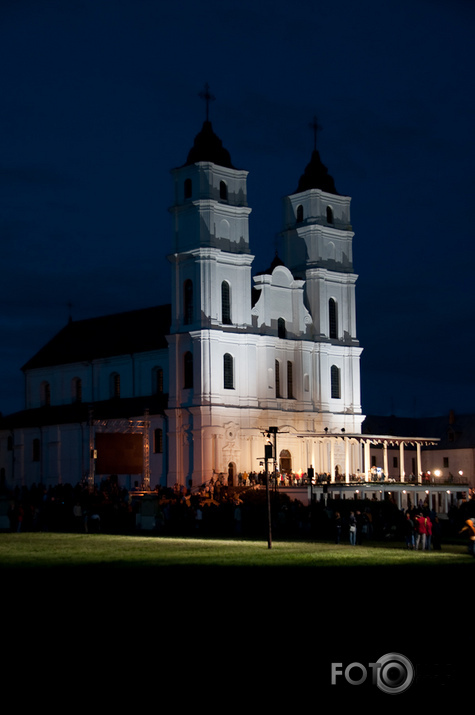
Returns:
point(100, 101)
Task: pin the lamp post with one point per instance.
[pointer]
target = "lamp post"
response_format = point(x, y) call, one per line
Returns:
point(267, 456)
point(274, 430)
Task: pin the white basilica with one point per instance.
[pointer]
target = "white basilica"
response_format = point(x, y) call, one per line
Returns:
point(234, 357)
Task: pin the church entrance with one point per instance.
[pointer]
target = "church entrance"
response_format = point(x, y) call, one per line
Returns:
point(231, 474)
point(285, 462)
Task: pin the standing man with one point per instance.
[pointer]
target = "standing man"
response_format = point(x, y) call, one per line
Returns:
point(409, 531)
point(337, 527)
point(352, 522)
point(421, 532)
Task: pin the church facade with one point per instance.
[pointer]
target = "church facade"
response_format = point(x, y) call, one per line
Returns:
point(183, 393)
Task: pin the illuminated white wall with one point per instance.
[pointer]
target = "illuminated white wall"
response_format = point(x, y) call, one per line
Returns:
point(212, 426)
point(136, 378)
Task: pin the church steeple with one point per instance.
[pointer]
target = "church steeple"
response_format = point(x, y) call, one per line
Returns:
point(317, 244)
point(207, 145)
point(316, 174)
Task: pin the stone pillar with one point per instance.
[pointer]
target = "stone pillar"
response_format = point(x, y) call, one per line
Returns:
point(419, 463)
point(367, 459)
point(347, 459)
point(385, 459)
point(332, 460)
point(401, 461)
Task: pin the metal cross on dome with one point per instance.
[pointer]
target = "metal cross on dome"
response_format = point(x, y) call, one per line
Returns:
point(208, 97)
point(316, 128)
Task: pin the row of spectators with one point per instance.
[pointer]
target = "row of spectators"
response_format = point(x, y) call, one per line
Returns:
point(112, 509)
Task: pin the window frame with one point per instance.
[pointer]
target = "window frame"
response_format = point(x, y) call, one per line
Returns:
point(278, 392)
point(332, 319)
point(223, 190)
point(335, 382)
point(226, 303)
point(290, 380)
point(228, 371)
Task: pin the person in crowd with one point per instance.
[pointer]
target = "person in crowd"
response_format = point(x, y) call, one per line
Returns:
point(409, 531)
point(421, 531)
point(338, 527)
point(469, 527)
point(428, 525)
point(352, 524)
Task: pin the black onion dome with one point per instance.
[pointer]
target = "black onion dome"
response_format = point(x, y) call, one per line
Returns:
point(316, 176)
point(209, 147)
point(276, 262)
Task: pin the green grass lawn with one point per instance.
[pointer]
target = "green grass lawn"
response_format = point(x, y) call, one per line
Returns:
point(47, 550)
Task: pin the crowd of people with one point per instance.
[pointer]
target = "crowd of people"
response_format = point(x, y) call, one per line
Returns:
point(224, 511)
point(420, 528)
point(64, 507)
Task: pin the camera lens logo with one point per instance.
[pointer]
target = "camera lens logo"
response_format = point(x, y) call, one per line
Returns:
point(394, 673)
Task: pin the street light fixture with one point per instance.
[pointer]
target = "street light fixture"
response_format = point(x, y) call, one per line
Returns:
point(270, 453)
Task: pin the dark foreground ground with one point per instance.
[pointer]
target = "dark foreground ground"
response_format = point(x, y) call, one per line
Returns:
point(239, 637)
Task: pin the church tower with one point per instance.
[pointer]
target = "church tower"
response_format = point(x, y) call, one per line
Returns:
point(211, 238)
point(317, 248)
point(211, 303)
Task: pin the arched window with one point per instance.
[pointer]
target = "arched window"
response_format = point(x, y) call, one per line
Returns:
point(188, 370)
point(188, 302)
point(188, 188)
point(226, 303)
point(115, 385)
point(76, 389)
point(332, 319)
point(157, 381)
point(45, 394)
point(228, 369)
point(158, 441)
point(299, 213)
point(281, 329)
point(329, 214)
point(223, 191)
point(335, 382)
point(277, 379)
point(290, 380)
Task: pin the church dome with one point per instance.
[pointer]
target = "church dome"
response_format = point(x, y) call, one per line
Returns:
point(276, 262)
point(316, 176)
point(209, 147)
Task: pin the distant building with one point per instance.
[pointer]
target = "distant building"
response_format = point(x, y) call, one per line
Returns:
point(449, 460)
